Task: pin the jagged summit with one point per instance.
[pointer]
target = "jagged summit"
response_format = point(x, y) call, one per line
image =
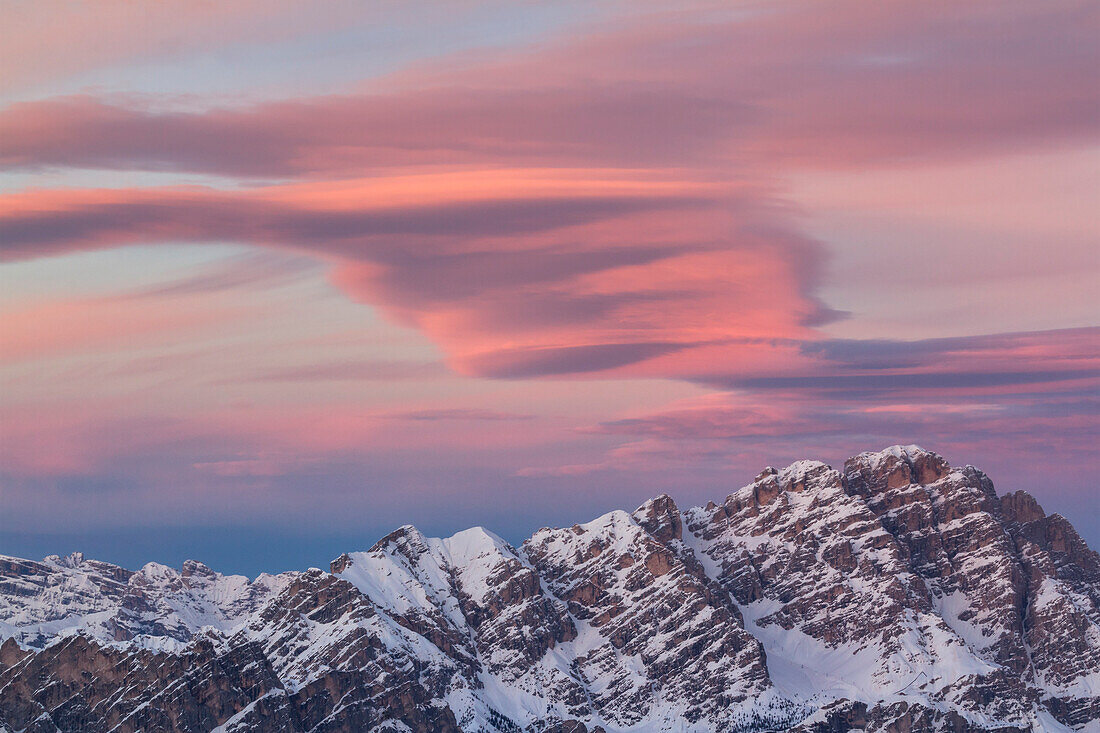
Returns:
point(661, 518)
point(405, 534)
point(896, 466)
point(72, 560)
point(897, 593)
point(909, 453)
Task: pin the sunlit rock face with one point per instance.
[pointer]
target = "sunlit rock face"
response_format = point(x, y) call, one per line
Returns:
point(897, 593)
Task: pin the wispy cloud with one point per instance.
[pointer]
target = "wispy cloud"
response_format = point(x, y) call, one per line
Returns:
point(611, 210)
point(351, 371)
point(456, 413)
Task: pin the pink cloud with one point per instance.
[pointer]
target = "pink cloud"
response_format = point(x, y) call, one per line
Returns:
point(512, 273)
point(573, 208)
point(1018, 402)
point(86, 37)
point(608, 204)
point(1042, 441)
point(795, 84)
point(56, 328)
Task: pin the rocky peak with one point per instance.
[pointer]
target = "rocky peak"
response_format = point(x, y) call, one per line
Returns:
point(799, 477)
point(661, 518)
point(902, 595)
point(1020, 506)
point(340, 564)
point(72, 560)
point(807, 475)
point(654, 626)
point(407, 540)
point(812, 479)
point(152, 572)
point(195, 568)
point(768, 471)
point(895, 467)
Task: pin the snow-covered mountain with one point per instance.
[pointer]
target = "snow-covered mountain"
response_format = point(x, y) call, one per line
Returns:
point(896, 594)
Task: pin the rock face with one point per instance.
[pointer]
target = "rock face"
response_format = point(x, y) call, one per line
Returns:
point(896, 594)
point(660, 640)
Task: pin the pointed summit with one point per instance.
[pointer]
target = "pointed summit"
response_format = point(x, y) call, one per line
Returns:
point(661, 518)
point(402, 539)
point(903, 594)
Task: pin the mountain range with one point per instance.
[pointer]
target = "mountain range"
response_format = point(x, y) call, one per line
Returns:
point(897, 593)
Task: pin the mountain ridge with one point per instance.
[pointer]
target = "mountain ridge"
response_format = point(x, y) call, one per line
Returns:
point(897, 593)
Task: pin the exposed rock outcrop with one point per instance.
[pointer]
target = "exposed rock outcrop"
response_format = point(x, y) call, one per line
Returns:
point(896, 594)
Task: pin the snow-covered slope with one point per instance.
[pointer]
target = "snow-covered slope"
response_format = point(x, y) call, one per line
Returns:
point(898, 593)
point(157, 606)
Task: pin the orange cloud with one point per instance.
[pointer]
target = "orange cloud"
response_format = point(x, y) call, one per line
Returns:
point(510, 272)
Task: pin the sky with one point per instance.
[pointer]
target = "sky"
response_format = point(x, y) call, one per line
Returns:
point(277, 278)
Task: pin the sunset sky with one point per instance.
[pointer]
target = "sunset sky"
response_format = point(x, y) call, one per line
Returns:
point(280, 277)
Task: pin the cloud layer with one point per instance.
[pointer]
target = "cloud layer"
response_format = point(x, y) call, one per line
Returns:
point(587, 249)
